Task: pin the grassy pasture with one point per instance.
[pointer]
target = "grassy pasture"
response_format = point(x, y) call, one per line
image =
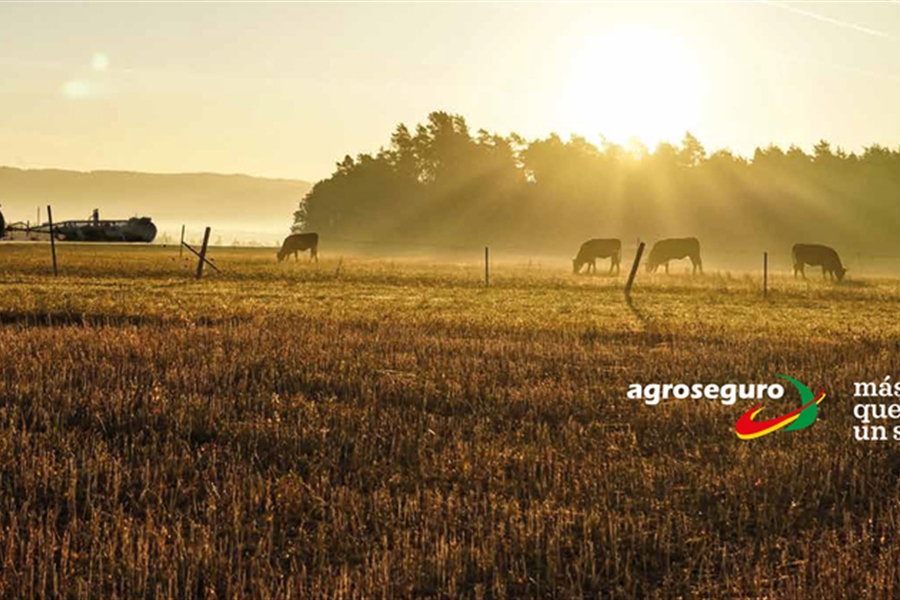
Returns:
point(369, 428)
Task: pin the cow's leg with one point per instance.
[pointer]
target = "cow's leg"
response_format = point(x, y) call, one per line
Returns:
point(823, 272)
point(667, 267)
point(803, 270)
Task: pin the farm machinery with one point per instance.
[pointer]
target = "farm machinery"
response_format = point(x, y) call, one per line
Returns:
point(94, 229)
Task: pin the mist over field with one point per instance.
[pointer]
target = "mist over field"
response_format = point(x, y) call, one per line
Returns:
point(439, 185)
point(238, 207)
point(439, 190)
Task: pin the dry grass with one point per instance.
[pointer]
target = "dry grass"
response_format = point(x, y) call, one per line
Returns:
point(365, 428)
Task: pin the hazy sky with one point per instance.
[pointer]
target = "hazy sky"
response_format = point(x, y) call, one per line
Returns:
point(286, 90)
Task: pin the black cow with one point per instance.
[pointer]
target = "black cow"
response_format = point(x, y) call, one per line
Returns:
point(816, 255)
point(300, 242)
point(673, 249)
point(591, 250)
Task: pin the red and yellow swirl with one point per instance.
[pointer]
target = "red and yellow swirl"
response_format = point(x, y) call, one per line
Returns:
point(748, 429)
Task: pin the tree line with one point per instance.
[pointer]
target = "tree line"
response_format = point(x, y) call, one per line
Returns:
point(443, 185)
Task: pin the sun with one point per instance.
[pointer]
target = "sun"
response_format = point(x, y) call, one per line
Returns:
point(633, 82)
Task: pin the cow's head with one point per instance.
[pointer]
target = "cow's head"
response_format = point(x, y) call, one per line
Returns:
point(840, 272)
point(281, 255)
point(576, 266)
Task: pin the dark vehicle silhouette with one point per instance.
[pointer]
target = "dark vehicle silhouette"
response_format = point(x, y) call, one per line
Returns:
point(300, 242)
point(674, 249)
point(816, 255)
point(95, 229)
point(591, 250)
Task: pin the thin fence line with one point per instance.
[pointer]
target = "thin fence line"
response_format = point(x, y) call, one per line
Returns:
point(705, 250)
point(777, 254)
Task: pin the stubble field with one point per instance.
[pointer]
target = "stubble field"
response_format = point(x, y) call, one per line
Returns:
point(369, 428)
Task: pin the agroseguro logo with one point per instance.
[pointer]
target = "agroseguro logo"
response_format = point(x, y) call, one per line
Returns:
point(746, 427)
point(801, 418)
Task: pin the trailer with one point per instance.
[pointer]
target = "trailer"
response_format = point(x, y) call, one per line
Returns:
point(94, 229)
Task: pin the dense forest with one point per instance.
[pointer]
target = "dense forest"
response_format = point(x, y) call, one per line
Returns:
point(443, 185)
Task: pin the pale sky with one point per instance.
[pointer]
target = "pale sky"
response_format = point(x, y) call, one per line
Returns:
point(287, 89)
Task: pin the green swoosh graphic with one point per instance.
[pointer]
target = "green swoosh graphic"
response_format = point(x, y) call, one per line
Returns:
point(808, 416)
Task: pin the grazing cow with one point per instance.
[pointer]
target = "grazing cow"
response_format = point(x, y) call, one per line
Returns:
point(815, 255)
point(672, 249)
point(591, 250)
point(300, 242)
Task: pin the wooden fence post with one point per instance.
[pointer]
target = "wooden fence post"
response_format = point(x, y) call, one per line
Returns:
point(634, 268)
point(181, 245)
point(52, 240)
point(487, 267)
point(765, 274)
point(203, 253)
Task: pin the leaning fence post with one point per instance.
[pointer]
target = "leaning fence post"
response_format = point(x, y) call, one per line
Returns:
point(765, 274)
point(181, 245)
point(203, 253)
point(52, 240)
point(634, 268)
point(487, 267)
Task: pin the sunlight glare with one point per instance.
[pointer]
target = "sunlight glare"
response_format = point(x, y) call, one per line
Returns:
point(634, 82)
point(99, 61)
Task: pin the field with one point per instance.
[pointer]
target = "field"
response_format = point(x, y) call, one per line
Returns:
point(368, 428)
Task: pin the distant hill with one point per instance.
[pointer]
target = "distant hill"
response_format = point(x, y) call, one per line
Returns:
point(238, 207)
